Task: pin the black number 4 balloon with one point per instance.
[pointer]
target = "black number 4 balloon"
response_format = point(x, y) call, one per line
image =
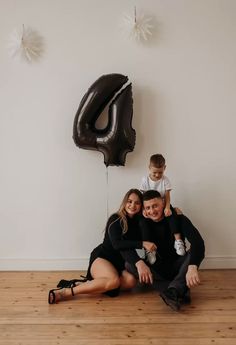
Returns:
point(118, 137)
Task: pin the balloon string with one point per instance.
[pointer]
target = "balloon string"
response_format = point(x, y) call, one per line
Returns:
point(107, 180)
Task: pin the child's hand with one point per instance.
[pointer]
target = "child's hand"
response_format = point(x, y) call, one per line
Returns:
point(167, 212)
point(178, 211)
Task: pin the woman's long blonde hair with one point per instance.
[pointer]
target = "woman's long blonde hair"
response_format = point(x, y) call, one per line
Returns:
point(122, 213)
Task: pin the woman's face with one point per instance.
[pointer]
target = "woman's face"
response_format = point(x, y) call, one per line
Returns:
point(133, 205)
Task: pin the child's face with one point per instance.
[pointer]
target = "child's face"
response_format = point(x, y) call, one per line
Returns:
point(156, 174)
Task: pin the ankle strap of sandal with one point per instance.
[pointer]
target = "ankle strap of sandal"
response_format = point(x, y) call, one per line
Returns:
point(72, 291)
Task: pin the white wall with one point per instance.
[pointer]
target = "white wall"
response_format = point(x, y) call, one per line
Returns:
point(54, 196)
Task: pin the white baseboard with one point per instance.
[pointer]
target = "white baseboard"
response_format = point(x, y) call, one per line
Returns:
point(58, 264)
point(219, 262)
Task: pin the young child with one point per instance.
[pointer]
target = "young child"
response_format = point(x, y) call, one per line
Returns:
point(158, 181)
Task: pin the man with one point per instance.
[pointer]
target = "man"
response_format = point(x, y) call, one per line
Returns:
point(172, 274)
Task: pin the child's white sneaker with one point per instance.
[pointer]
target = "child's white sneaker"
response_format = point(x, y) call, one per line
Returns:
point(151, 257)
point(179, 247)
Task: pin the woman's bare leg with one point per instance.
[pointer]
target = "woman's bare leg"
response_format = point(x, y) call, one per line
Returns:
point(105, 278)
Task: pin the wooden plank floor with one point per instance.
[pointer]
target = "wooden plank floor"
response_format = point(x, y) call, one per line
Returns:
point(135, 318)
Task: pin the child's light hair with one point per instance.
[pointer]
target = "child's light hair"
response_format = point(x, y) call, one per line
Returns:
point(157, 160)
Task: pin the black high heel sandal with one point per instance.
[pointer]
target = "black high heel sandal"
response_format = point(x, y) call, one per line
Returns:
point(53, 295)
point(71, 283)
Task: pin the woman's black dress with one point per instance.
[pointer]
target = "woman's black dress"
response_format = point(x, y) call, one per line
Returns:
point(115, 241)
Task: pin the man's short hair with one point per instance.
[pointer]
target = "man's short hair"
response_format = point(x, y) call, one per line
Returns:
point(151, 194)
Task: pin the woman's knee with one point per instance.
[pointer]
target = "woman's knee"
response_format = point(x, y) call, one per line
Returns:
point(112, 283)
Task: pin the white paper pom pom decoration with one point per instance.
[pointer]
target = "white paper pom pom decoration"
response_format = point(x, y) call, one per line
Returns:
point(26, 44)
point(137, 27)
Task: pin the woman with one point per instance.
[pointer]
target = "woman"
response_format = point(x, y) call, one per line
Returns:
point(106, 271)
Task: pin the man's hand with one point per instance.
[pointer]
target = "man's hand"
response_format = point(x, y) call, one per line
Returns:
point(149, 246)
point(144, 273)
point(192, 276)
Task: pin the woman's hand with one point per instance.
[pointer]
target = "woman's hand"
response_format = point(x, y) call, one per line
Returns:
point(149, 246)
